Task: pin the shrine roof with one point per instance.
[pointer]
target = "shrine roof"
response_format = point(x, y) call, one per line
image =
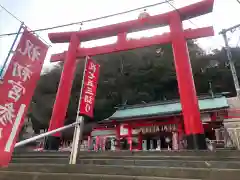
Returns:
point(165, 108)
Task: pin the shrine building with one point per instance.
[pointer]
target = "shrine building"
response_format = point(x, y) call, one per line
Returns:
point(155, 126)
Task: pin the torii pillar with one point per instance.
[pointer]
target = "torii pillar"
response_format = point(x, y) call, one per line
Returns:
point(178, 36)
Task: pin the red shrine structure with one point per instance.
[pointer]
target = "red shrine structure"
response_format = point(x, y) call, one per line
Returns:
point(177, 36)
point(148, 126)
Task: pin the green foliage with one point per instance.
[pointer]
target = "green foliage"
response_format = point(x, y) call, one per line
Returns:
point(136, 76)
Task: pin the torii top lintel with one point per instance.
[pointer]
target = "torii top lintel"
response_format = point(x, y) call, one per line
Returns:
point(191, 11)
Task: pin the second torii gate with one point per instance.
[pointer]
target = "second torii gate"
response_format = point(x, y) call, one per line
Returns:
point(177, 36)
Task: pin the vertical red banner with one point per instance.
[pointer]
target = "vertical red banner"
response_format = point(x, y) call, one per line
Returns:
point(89, 88)
point(17, 90)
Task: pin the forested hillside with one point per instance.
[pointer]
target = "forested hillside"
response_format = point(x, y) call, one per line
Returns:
point(137, 76)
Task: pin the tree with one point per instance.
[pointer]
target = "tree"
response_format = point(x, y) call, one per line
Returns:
point(136, 76)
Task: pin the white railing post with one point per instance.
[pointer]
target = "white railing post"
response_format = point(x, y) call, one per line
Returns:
point(77, 137)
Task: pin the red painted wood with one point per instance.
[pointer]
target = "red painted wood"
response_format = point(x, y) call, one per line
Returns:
point(140, 139)
point(64, 88)
point(102, 128)
point(199, 32)
point(118, 137)
point(130, 137)
point(187, 12)
point(123, 45)
point(186, 87)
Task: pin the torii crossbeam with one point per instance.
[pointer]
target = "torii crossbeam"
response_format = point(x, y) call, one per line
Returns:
point(177, 36)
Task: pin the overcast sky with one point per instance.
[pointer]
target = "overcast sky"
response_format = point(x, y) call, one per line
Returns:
point(46, 13)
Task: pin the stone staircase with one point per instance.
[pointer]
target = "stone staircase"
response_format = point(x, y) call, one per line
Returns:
point(186, 165)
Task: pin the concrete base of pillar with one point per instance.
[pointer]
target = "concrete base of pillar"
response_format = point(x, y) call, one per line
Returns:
point(196, 142)
point(52, 143)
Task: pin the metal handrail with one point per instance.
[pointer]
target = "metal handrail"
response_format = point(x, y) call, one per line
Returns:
point(40, 136)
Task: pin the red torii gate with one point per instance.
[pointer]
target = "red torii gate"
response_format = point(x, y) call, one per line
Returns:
point(177, 36)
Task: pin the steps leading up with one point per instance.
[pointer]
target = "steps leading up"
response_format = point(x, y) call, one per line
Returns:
point(184, 165)
point(147, 171)
point(6, 175)
point(196, 154)
point(136, 162)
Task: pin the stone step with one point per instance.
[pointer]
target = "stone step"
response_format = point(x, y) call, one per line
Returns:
point(65, 160)
point(47, 154)
point(164, 163)
point(222, 153)
point(189, 155)
point(163, 157)
point(43, 160)
point(226, 153)
point(8, 175)
point(137, 162)
point(153, 171)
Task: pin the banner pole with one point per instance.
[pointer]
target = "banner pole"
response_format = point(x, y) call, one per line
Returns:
point(77, 136)
point(10, 51)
